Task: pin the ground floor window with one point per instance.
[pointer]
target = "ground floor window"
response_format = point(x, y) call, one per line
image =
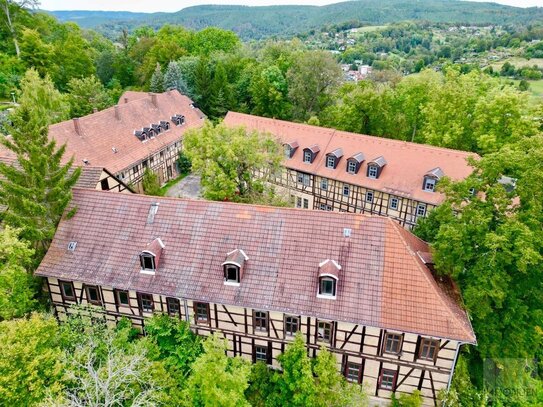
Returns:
point(352, 372)
point(146, 302)
point(387, 380)
point(261, 354)
point(174, 307)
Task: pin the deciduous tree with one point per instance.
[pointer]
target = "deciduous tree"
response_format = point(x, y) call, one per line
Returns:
point(87, 94)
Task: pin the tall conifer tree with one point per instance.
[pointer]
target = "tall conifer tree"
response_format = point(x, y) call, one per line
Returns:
point(38, 189)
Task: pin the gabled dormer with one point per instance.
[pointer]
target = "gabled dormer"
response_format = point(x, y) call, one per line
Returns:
point(290, 148)
point(375, 167)
point(354, 163)
point(310, 153)
point(332, 158)
point(328, 279)
point(178, 119)
point(233, 266)
point(150, 257)
point(431, 178)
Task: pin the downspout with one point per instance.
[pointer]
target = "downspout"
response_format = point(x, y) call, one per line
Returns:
point(454, 364)
point(186, 311)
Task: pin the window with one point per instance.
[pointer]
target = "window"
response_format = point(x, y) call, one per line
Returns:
point(93, 295)
point(393, 343)
point(324, 184)
point(67, 290)
point(201, 310)
point(298, 202)
point(306, 203)
point(146, 302)
point(147, 261)
point(288, 153)
point(351, 167)
point(352, 372)
point(421, 209)
point(307, 157)
point(261, 321)
point(136, 169)
point(324, 331)
point(104, 184)
point(145, 164)
point(327, 286)
point(324, 207)
point(303, 178)
point(393, 203)
point(330, 162)
point(174, 307)
point(122, 297)
point(369, 196)
point(346, 190)
point(231, 273)
point(387, 380)
point(291, 325)
point(372, 171)
point(428, 349)
point(429, 184)
point(261, 354)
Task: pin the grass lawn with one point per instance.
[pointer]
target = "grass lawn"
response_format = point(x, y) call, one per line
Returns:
point(519, 62)
point(536, 89)
point(171, 183)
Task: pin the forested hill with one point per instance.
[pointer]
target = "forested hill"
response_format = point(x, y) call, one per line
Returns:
point(261, 22)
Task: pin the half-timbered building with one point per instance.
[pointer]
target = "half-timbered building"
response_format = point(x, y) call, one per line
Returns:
point(143, 131)
point(334, 170)
point(358, 284)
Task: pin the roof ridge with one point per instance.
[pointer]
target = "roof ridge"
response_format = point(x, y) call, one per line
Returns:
point(349, 133)
point(429, 277)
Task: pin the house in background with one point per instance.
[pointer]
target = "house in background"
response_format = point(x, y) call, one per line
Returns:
point(361, 285)
point(143, 131)
point(335, 170)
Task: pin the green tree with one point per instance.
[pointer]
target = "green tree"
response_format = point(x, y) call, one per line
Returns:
point(262, 386)
point(18, 287)
point(216, 379)
point(151, 183)
point(227, 159)
point(173, 79)
point(295, 385)
point(184, 163)
point(30, 360)
point(11, 10)
point(87, 94)
point(157, 80)
point(34, 52)
point(38, 190)
point(213, 39)
point(312, 78)
point(202, 84)
point(269, 91)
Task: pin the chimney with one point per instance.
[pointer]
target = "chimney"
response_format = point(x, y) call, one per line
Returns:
point(154, 99)
point(94, 110)
point(76, 126)
point(125, 100)
point(117, 113)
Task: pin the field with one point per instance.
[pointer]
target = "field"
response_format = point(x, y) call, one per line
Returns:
point(519, 62)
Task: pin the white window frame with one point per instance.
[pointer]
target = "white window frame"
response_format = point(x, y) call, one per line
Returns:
point(351, 167)
point(421, 209)
point(429, 184)
point(373, 170)
point(308, 155)
point(324, 184)
point(346, 190)
point(330, 162)
point(394, 203)
point(369, 196)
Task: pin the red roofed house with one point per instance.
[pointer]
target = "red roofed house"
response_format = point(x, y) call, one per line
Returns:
point(335, 170)
point(143, 131)
point(361, 285)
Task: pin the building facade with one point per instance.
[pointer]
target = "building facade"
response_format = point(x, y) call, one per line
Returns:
point(333, 170)
point(143, 131)
point(360, 285)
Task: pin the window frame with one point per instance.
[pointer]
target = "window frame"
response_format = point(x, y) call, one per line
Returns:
point(98, 301)
point(197, 319)
point(430, 343)
point(143, 257)
point(308, 157)
point(324, 184)
point(326, 279)
point(330, 162)
point(429, 181)
point(388, 373)
point(394, 199)
point(354, 165)
point(373, 171)
point(66, 297)
point(171, 312)
point(118, 302)
point(227, 279)
point(257, 353)
point(306, 203)
point(347, 372)
point(141, 300)
point(394, 338)
point(289, 322)
point(322, 338)
point(298, 202)
point(368, 196)
point(423, 207)
point(346, 188)
point(257, 321)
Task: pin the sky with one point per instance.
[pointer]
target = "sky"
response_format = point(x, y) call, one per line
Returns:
point(176, 5)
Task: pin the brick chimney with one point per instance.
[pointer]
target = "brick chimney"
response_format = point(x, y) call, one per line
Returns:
point(125, 100)
point(77, 127)
point(117, 113)
point(154, 99)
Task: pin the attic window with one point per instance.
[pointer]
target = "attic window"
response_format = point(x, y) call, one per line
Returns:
point(233, 266)
point(150, 257)
point(351, 167)
point(375, 167)
point(307, 157)
point(290, 149)
point(72, 246)
point(354, 163)
point(332, 159)
point(431, 178)
point(310, 153)
point(178, 119)
point(147, 261)
point(328, 278)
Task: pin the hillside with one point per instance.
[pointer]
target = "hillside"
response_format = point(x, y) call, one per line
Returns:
point(267, 21)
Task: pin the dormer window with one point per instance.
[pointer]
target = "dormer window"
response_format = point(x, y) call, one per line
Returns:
point(351, 167)
point(332, 159)
point(431, 178)
point(375, 167)
point(233, 266)
point(328, 278)
point(150, 257)
point(310, 153)
point(354, 163)
point(290, 149)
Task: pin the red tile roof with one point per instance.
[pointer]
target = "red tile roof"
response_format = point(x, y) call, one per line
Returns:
point(406, 163)
point(107, 139)
point(382, 281)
